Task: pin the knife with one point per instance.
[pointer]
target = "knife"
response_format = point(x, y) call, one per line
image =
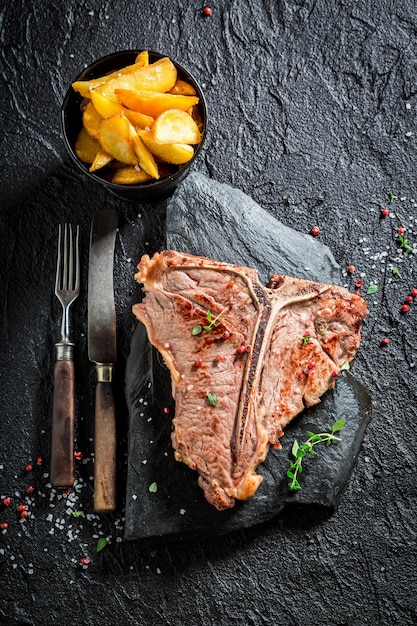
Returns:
point(102, 351)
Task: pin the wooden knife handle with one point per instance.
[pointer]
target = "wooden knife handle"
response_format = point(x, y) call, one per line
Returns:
point(105, 449)
point(63, 420)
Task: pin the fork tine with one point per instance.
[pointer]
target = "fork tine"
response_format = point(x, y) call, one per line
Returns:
point(58, 262)
point(65, 269)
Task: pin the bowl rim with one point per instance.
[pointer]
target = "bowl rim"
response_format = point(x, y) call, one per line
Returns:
point(88, 73)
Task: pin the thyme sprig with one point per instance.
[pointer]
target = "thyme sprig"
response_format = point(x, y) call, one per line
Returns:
point(212, 323)
point(299, 451)
point(404, 243)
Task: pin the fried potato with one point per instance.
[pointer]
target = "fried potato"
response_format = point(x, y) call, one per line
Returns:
point(107, 108)
point(130, 175)
point(86, 146)
point(158, 76)
point(115, 139)
point(154, 103)
point(183, 88)
point(143, 57)
point(100, 160)
point(91, 119)
point(176, 153)
point(85, 86)
point(175, 126)
point(145, 158)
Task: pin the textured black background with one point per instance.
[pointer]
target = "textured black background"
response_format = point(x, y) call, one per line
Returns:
point(312, 113)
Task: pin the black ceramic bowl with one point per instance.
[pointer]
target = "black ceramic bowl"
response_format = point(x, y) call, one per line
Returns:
point(71, 121)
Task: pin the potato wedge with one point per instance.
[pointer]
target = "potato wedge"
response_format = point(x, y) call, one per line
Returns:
point(175, 126)
point(176, 153)
point(85, 86)
point(107, 108)
point(91, 119)
point(115, 139)
point(145, 158)
point(183, 88)
point(131, 175)
point(143, 57)
point(86, 146)
point(154, 103)
point(100, 160)
point(158, 76)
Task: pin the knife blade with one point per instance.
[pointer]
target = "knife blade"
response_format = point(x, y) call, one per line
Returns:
point(102, 352)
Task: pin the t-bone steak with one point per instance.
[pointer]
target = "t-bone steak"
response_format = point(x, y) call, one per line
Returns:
point(244, 359)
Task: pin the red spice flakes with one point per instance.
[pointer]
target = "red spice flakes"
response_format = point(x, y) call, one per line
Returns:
point(28, 467)
point(221, 357)
point(30, 489)
point(207, 11)
point(335, 374)
point(315, 231)
point(6, 501)
point(300, 375)
point(351, 269)
point(357, 292)
point(4, 525)
point(401, 230)
point(359, 282)
point(199, 362)
point(405, 308)
point(384, 341)
point(384, 212)
point(248, 348)
point(78, 455)
point(39, 460)
point(85, 560)
point(311, 365)
point(66, 492)
point(167, 410)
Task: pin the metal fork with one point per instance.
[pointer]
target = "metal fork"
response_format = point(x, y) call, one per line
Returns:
point(67, 288)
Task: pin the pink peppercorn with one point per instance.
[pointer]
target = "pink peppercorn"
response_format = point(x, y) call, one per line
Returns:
point(4, 525)
point(207, 11)
point(167, 410)
point(85, 560)
point(315, 231)
point(384, 213)
point(357, 292)
point(405, 308)
point(221, 357)
point(21, 507)
point(414, 293)
point(24, 514)
point(6, 501)
point(311, 365)
point(226, 334)
point(199, 362)
point(384, 341)
point(335, 374)
point(359, 282)
point(28, 467)
point(241, 349)
point(351, 269)
point(409, 299)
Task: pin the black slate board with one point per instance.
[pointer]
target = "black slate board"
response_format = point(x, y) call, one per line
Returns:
point(211, 219)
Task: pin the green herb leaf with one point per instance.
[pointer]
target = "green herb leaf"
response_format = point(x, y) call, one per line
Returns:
point(305, 339)
point(212, 398)
point(337, 426)
point(372, 289)
point(153, 487)
point(197, 330)
point(404, 243)
point(392, 196)
point(345, 366)
point(78, 513)
point(153, 553)
point(101, 543)
point(299, 451)
point(395, 270)
point(209, 316)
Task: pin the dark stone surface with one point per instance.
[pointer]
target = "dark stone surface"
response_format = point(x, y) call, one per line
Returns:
point(313, 114)
point(208, 218)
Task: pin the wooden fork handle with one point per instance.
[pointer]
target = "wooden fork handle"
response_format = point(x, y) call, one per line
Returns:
point(63, 420)
point(105, 449)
